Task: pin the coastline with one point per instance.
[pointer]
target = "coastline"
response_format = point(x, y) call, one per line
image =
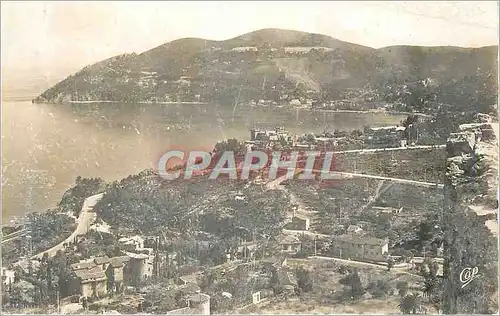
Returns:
point(377, 111)
point(367, 112)
point(140, 102)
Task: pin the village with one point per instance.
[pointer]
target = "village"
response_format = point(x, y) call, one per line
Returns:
point(112, 272)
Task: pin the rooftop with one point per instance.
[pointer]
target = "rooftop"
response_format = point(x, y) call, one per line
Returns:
point(139, 256)
point(199, 298)
point(288, 239)
point(101, 260)
point(397, 128)
point(117, 262)
point(95, 273)
point(82, 266)
point(362, 240)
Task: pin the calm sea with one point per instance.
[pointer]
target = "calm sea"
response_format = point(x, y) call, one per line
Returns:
point(45, 146)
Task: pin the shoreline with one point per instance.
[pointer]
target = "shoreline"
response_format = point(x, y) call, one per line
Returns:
point(141, 102)
point(367, 112)
point(283, 107)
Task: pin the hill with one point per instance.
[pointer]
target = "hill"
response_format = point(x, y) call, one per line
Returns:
point(281, 65)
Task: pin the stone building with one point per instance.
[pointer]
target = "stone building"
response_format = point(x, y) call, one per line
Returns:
point(360, 247)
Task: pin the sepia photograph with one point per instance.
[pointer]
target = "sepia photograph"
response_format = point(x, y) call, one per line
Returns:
point(249, 157)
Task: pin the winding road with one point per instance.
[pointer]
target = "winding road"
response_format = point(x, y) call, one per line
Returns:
point(84, 220)
point(14, 235)
point(339, 175)
point(374, 150)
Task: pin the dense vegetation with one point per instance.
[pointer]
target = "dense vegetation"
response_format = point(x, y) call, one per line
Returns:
point(145, 204)
point(72, 200)
point(45, 230)
point(205, 217)
point(290, 65)
point(51, 227)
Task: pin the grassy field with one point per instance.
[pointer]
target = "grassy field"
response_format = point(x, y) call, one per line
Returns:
point(428, 165)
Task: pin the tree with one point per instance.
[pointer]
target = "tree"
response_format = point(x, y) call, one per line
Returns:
point(379, 288)
point(425, 233)
point(207, 280)
point(304, 279)
point(402, 287)
point(354, 282)
point(409, 304)
point(411, 119)
point(49, 276)
point(429, 269)
point(433, 269)
point(274, 281)
point(406, 256)
point(229, 145)
point(390, 264)
point(433, 291)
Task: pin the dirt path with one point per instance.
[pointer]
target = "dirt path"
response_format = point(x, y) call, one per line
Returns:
point(86, 217)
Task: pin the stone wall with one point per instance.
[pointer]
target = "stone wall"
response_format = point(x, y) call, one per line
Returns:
point(470, 203)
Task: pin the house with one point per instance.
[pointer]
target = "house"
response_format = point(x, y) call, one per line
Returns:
point(114, 273)
point(111, 275)
point(354, 229)
point(102, 262)
point(385, 135)
point(92, 282)
point(290, 244)
point(326, 142)
point(198, 304)
point(272, 136)
point(189, 279)
point(298, 223)
point(241, 49)
point(7, 276)
point(134, 242)
point(139, 268)
point(85, 265)
point(246, 250)
point(360, 247)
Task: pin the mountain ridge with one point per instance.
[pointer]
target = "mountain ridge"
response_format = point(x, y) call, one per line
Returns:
point(281, 65)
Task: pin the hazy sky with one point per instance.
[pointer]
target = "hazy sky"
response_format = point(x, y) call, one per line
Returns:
point(47, 36)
